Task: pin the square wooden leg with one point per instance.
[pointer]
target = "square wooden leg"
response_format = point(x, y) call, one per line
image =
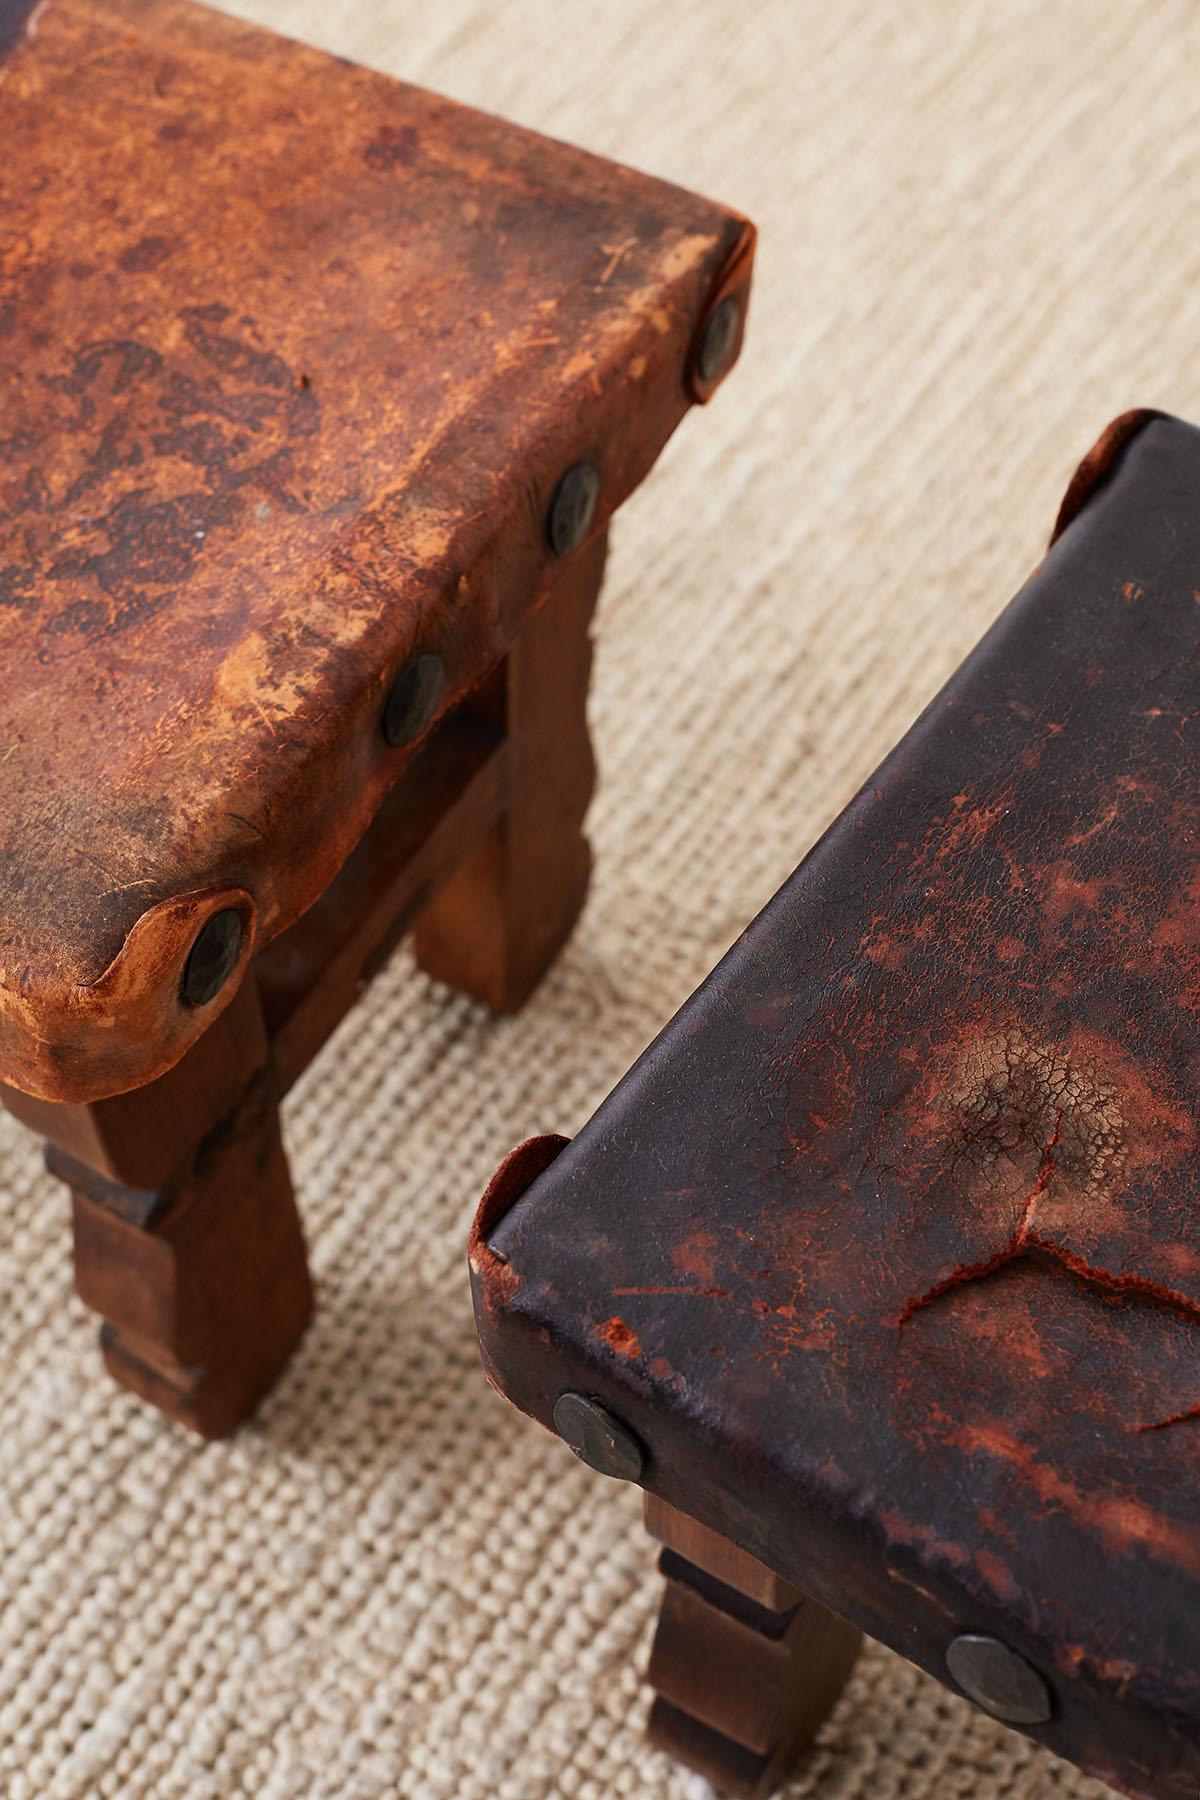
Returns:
point(498, 923)
point(187, 1239)
point(745, 1666)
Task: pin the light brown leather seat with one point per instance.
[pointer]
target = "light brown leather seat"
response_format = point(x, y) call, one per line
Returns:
point(292, 357)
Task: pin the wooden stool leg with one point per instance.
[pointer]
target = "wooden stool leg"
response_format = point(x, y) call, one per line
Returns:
point(744, 1665)
point(499, 922)
point(187, 1239)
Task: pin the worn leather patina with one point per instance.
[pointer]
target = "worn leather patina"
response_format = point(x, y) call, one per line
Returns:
point(292, 358)
point(888, 1248)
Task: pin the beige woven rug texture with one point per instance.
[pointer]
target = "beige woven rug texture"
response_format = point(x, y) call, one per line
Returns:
point(978, 243)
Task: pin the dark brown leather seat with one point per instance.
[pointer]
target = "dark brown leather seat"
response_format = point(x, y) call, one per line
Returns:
point(883, 1262)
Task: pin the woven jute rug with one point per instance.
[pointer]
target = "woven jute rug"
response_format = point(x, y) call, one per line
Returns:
point(975, 250)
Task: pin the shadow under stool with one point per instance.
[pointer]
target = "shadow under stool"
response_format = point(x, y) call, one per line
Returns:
point(318, 393)
point(880, 1270)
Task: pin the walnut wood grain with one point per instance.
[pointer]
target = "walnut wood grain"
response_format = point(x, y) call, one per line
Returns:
point(499, 922)
point(441, 808)
point(742, 1687)
point(201, 1278)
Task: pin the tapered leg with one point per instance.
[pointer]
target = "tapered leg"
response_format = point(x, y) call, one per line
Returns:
point(187, 1238)
point(498, 924)
point(744, 1665)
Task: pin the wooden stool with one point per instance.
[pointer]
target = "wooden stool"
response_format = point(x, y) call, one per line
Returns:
point(881, 1270)
point(318, 395)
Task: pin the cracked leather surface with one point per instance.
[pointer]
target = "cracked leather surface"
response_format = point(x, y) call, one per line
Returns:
point(292, 357)
point(889, 1246)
